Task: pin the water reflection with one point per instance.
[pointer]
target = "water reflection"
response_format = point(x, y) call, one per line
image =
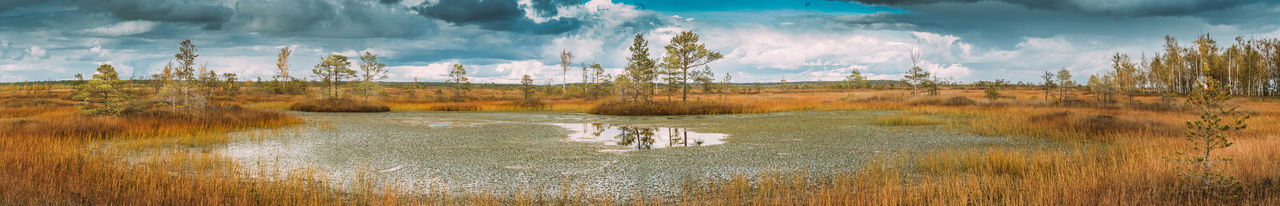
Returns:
point(639, 138)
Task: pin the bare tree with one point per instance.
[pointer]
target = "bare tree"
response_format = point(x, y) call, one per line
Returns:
point(566, 59)
point(915, 75)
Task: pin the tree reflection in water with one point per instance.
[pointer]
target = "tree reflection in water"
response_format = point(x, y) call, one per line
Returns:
point(640, 138)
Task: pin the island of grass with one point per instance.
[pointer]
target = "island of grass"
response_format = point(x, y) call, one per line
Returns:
point(667, 108)
point(338, 105)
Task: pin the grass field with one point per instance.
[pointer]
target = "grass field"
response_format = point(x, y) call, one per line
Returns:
point(1104, 154)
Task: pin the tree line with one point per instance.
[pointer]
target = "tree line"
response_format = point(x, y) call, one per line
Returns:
point(1248, 66)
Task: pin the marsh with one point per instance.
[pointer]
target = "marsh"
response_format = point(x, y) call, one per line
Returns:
point(498, 151)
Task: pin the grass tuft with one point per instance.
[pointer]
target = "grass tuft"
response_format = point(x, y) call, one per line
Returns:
point(903, 120)
point(456, 107)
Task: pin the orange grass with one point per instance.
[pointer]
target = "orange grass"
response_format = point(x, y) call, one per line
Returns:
point(338, 105)
point(1110, 155)
point(667, 108)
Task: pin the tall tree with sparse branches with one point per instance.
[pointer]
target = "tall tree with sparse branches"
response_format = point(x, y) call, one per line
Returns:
point(641, 69)
point(332, 70)
point(566, 59)
point(282, 64)
point(684, 52)
point(1048, 84)
point(526, 86)
point(460, 83)
point(1064, 84)
point(370, 70)
point(916, 75)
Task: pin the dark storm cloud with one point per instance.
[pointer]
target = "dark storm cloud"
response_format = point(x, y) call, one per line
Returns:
point(503, 15)
point(1004, 23)
point(11, 4)
point(201, 12)
point(1108, 7)
point(342, 19)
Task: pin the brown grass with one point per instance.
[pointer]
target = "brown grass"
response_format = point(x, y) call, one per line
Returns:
point(338, 105)
point(34, 102)
point(528, 103)
point(905, 120)
point(667, 108)
point(1110, 155)
point(456, 107)
point(955, 101)
point(44, 160)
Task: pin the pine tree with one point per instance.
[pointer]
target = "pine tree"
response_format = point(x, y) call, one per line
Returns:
point(526, 86)
point(1048, 84)
point(105, 94)
point(641, 69)
point(371, 70)
point(916, 75)
point(855, 79)
point(331, 71)
point(1209, 133)
point(1064, 85)
point(992, 88)
point(460, 83)
point(684, 52)
point(186, 77)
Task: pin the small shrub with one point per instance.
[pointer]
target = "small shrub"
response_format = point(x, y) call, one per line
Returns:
point(338, 105)
point(667, 108)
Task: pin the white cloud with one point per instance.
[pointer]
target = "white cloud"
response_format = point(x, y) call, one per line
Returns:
point(949, 71)
point(432, 72)
point(95, 53)
point(124, 28)
point(35, 53)
point(514, 70)
point(769, 48)
point(583, 48)
point(837, 74)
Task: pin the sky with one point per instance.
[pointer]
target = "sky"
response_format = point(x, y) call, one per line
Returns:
point(501, 40)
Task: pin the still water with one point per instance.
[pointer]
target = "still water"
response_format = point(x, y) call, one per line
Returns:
point(638, 137)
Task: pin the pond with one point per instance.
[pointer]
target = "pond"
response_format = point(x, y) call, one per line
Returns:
point(471, 151)
point(638, 138)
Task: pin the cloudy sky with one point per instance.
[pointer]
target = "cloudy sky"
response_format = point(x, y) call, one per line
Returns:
point(500, 40)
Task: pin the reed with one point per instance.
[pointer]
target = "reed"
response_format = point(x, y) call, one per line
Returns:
point(906, 120)
point(668, 108)
point(338, 105)
point(1104, 155)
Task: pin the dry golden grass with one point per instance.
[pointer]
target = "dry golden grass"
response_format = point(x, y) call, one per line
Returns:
point(906, 120)
point(338, 105)
point(667, 108)
point(1113, 154)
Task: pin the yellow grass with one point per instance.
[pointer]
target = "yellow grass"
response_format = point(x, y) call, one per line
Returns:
point(905, 120)
point(1111, 155)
